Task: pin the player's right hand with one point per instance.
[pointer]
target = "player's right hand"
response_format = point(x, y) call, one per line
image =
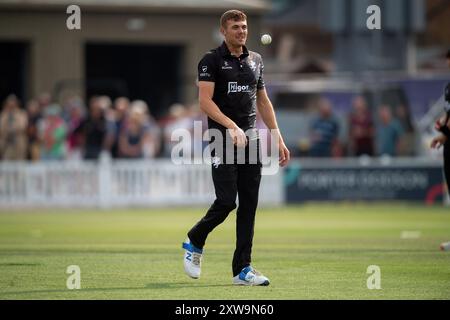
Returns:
point(238, 137)
point(285, 155)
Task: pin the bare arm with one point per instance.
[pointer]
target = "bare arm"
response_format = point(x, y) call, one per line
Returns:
point(267, 113)
point(440, 140)
point(208, 106)
point(265, 109)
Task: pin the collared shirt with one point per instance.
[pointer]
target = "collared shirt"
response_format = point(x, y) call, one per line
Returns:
point(237, 80)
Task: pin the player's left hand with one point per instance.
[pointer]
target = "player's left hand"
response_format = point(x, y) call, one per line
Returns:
point(438, 141)
point(285, 155)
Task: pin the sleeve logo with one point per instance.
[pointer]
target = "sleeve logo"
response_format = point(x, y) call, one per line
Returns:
point(204, 73)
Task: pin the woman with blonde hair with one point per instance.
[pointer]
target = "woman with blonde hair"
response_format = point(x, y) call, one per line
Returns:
point(13, 130)
point(138, 138)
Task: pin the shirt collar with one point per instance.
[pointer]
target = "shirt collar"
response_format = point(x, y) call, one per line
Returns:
point(226, 52)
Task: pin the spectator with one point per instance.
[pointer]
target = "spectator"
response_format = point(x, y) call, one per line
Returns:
point(121, 108)
point(44, 100)
point(196, 115)
point(389, 133)
point(407, 142)
point(361, 129)
point(52, 132)
point(105, 103)
point(13, 130)
point(152, 142)
point(136, 139)
point(265, 136)
point(131, 137)
point(178, 120)
point(74, 118)
point(34, 116)
point(97, 131)
point(324, 131)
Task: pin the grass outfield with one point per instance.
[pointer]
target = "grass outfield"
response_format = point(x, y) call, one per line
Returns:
point(309, 252)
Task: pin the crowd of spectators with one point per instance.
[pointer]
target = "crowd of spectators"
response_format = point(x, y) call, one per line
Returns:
point(45, 130)
point(386, 132)
point(124, 129)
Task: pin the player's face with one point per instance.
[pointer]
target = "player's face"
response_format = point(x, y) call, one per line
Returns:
point(235, 32)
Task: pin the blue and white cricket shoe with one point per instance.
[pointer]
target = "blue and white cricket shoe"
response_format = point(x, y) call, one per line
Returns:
point(192, 259)
point(250, 277)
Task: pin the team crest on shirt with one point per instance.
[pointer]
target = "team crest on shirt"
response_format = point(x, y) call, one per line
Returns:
point(252, 65)
point(215, 162)
point(226, 65)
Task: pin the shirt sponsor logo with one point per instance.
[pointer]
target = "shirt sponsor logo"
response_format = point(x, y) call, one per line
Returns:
point(234, 87)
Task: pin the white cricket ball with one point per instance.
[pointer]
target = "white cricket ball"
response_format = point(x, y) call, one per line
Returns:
point(266, 39)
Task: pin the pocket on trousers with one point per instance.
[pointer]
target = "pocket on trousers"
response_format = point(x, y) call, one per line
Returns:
point(224, 172)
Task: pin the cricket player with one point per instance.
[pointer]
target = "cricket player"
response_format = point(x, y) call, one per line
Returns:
point(231, 87)
point(444, 139)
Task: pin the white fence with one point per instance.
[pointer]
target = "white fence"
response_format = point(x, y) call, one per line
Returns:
point(115, 184)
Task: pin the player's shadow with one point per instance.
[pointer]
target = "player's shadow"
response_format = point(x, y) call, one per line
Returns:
point(149, 286)
point(180, 285)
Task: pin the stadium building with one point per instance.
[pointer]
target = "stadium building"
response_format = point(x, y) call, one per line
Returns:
point(143, 49)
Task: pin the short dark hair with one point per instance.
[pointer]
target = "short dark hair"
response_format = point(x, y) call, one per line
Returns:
point(234, 15)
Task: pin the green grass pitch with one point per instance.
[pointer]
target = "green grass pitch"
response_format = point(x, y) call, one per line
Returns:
point(314, 251)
